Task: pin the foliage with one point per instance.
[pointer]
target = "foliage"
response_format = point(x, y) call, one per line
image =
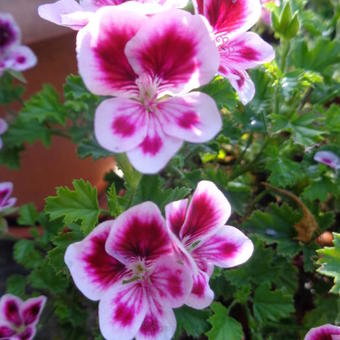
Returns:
point(262, 160)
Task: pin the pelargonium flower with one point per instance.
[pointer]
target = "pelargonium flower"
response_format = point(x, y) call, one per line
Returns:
point(266, 14)
point(18, 319)
point(129, 266)
point(3, 129)
point(150, 65)
point(203, 239)
point(13, 55)
point(325, 332)
point(6, 201)
point(329, 158)
point(239, 50)
point(76, 15)
point(9, 31)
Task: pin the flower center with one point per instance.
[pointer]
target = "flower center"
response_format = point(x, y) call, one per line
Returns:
point(148, 90)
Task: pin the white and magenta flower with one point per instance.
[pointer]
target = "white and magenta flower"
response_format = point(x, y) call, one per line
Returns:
point(76, 15)
point(239, 50)
point(129, 266)
point(13, 55)
point(266, 13)
point(325, 332)
point(329, 158)
point(203, 239)
point(6, 201)
point(3, 129)
point(18, 319)
point(149, 64)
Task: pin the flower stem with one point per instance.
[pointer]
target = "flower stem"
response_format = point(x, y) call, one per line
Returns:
point(132, 177)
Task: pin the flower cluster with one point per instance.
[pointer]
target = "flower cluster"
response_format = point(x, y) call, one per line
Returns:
point(149, 56)
point(13, 55)
point(6, 201)
point(18, 319)
point(141, 266)
point(239, 50)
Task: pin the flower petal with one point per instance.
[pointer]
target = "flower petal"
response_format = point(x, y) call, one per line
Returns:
point(32, 308)
point(59, 11)
point(120, 124)
point(176, 49)
point(171, 282)
point(100, 51)
point(10, 32)
point(207, 212)
point(122, 311)
point(6, 331)
point(229, 16)
point(139, 234)
point(92, 268)
point(175, 215)
point(6, 189)
point(155, 151)
point(201, 295)
point(240, 81)
point(229, 247)
point(10, 309)
point(194, 117)
point(9, 203)
point(246, 51)
point(329, 158)
point(20, 58)
point(327, 331)
point(159, 322)
point(3, 126)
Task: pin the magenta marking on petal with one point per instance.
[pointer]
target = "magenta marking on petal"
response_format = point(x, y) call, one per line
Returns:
point(150, 326)
point(188, 120)
point(152, 145)
point(6, 332)
point(249, 53)
point(170, 56)
point(124, 315)
point(3, 194)
point(12, 312)
point(102, 268)
point(202, 216)
point(31, 313)
point(144, 239)
point(21, 59)
point(9, 32)
point(109, 52)
point(123, 127)
point(198, 287)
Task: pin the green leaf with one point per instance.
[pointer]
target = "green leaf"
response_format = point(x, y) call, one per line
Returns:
point(28, 215)
point(276, 226)
point(330, 263)
point(9, 90)
point(16, 285)
point(222, 92)
point(44, 106)
point(284, 172)
point(10, 156)
point(90, 148)
point(223, 326)
point(113, 201)
point(272, 305)
point(320, 190)
point(194, 322)
point(22, 131)
point(151, 189)
point(26, 254)
point(81, 204)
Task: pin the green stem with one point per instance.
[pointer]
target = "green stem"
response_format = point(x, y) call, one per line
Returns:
point(132, 177)
point(283, 64)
